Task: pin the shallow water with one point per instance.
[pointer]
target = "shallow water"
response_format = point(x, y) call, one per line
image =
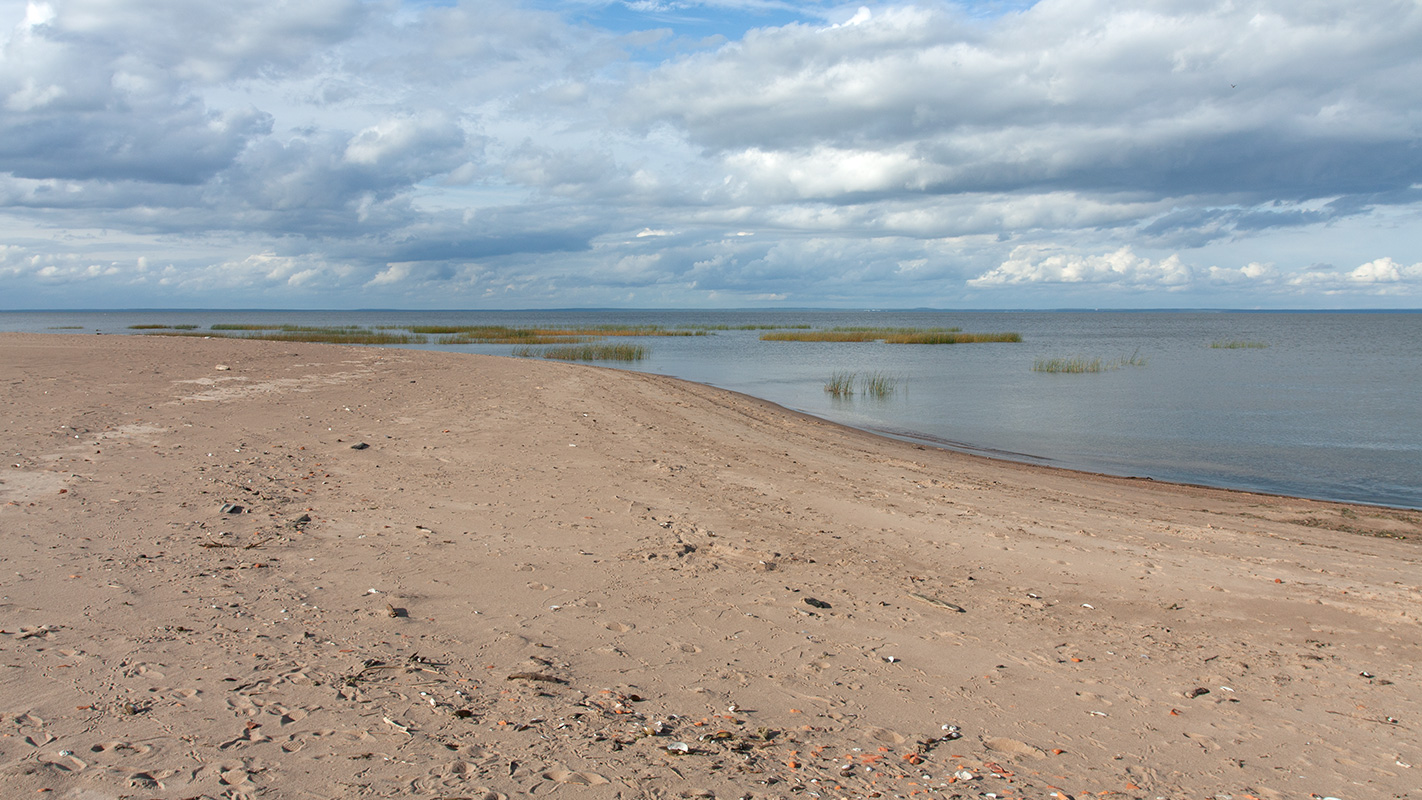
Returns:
point(1329, 409)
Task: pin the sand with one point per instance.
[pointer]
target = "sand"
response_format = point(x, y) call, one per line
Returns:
point(541, 578)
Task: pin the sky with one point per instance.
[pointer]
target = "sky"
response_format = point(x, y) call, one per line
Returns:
point(510, 154)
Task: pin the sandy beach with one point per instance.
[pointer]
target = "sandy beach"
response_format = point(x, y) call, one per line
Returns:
point(239, 569)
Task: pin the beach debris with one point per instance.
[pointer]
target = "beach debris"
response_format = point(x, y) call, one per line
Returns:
point(232, 508)
point(222, 368)
point(28, 631)
point(892, 659)
point(951, 732)
point(541, 677)
point(1196, 692)
point(393, 612)
point(300, 522)
point(937, 602)
point(359, 446)
point(405, 729)
point(678, 748)
point(816, 603)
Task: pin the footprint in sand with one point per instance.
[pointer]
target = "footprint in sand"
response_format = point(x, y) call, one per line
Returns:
point(579, 778)
point(884, 735)
point(119, 747)
point(619, 627)
point(1012, 747)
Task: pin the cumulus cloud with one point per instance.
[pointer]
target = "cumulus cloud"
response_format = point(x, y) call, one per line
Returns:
point(1381, 276)
point(1167, 98)
point(1121, 268)
point(505, 151)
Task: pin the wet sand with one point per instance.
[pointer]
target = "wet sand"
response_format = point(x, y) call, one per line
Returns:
point(542, 578)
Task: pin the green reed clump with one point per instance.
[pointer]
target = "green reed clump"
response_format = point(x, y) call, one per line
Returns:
point(878, 384)
point(586, 352)
point(889, 335)
point(503, 334)
point(243, 326)
point(951, 337)
point(818, 336)
point(1081, 364)
point(840, 384)
point(1134, 360)
point(1237, 344)
point(1067, 364)
point(341, 334)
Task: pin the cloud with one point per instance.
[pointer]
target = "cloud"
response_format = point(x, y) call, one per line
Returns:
point(1381, 276)
point(354, 152)
point(1167, 98)
point(1123, 268)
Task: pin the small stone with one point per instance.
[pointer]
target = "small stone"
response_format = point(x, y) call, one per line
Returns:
point(232, 508)
point(1196, 692)
point(810, 601)
point(359, 446)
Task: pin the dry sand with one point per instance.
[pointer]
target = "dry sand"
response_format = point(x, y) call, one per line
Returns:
point(533, 566)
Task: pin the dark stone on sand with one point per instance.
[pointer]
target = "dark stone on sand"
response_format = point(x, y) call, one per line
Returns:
point(810, 601)
point(359, 446)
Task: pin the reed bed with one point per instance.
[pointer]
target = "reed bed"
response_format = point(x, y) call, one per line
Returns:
point(1237, 344)
point(874, 384)
point(1068, 365)
point(840, 384)
point(586, 352)
point(502, 334)
point(878, 384)
point(748, 327)
point(1072, 365)
point(335, 336)
point(889, 336)
point(341, 334)
point(149, 326)
point(950, 337)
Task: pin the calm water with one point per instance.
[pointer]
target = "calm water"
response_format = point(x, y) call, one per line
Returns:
point(1331, 409)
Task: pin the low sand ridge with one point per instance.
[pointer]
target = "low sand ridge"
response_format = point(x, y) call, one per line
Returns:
point(542, 578)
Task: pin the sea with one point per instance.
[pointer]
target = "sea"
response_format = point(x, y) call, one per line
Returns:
point(1324, 405)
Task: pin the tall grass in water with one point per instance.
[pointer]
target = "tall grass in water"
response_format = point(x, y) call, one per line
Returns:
point(890, 335)
point(840, 384)
point(341, 334)
point(1067, 364)
point(873, 384)
point(1237, 344)
point(951, 337)
point(586, 352)
point(878, 384)
point(1081, 364)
